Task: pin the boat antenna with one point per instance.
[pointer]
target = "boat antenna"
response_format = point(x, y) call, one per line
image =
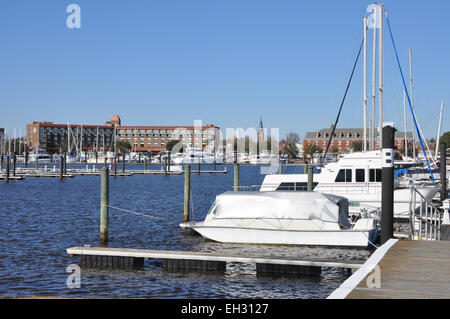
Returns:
point(342, 103)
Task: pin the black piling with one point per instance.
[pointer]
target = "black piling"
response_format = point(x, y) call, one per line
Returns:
point(443, 167)
point(7, 169)
point(14, 159)
point(61, 167)
point(387, 184)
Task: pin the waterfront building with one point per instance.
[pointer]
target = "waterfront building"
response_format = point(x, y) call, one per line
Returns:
point(55, 137)
point(344, 138)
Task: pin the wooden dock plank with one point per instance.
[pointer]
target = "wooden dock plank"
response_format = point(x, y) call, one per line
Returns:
point(411, 269)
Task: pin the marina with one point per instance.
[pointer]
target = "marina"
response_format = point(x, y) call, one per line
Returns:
point(162, 205)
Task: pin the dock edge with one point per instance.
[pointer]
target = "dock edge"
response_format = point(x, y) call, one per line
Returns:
point(354, 280)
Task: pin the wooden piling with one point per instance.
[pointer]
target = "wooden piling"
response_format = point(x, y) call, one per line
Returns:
point(14, 164)
point(1, 162)
point(115, 166)
point(236, 177)
point(7, 169)
point(165, 166)
point(104, 201)
point(310, 178)
point(61, 167)
point(123, 162)
point(26, 159)
point(145, 164)
point(187, 191)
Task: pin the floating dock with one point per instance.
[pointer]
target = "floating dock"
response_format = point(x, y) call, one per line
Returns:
point(202, 261)
point(401, 269)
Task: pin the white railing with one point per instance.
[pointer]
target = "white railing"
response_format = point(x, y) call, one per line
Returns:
point(426, 220)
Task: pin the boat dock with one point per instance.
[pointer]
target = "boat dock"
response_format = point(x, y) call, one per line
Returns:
point(401, 269)
point(202, 261)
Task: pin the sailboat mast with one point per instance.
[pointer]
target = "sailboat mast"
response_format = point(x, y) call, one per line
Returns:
point(439, 132)
point(380, 71)
point(404, 123)
point(374, 79)
point(365, 86)
point(412, 99)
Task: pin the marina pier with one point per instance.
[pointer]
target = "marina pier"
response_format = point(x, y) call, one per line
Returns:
point(401, 269)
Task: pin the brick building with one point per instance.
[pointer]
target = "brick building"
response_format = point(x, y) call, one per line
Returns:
point(344, 138)
point(55, 137)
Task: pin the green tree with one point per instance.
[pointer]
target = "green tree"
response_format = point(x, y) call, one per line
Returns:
point(357, 146)
point(292, 139)
point(123, 146)
point(310, 150)
point(446, 138)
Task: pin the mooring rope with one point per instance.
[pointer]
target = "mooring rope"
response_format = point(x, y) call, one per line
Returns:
point(133, 212)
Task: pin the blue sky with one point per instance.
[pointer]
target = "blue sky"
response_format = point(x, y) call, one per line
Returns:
point(170, 62)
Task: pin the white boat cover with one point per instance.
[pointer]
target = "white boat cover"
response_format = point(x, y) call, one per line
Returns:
point(282, 205)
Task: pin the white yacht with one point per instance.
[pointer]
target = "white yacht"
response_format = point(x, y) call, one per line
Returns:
point(41, 156)
point(195, 156)
point(356, 176)
point(263, 159)
point(286, 218)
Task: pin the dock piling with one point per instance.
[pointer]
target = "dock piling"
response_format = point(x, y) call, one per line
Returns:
point(310, 178)
point(14, 164)
point(443, 166)
point(187, 191)
point(387, 184)
point(7, 169)
point(236, 177)
point(115, 165)
point(104, 201)
point(61, 167)
point(123, 162)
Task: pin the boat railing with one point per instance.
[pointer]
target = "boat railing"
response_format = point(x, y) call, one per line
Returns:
point(426, 220)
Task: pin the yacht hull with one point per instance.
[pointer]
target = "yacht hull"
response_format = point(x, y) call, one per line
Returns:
point(344, 238)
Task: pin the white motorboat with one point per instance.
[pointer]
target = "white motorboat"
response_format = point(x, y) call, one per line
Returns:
point(195, 156)
point(287, 218)
point(263, 159)
point(356, 176)
point(41, 156)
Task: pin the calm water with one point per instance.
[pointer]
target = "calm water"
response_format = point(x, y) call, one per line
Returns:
point(40, 218)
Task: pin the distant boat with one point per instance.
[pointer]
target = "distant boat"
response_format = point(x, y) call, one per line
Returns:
point(195, 156)
point(287, 218)
point(41, 156)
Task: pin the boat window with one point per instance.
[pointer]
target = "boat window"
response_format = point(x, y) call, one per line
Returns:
point(340, 178)
point(375, 175)
point(348, 175)
point(360, 178)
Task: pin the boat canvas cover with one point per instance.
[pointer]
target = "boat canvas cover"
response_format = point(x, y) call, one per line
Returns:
point(281, 205)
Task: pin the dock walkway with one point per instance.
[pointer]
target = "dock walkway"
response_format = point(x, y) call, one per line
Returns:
point(113, 257)
point(408, 270)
